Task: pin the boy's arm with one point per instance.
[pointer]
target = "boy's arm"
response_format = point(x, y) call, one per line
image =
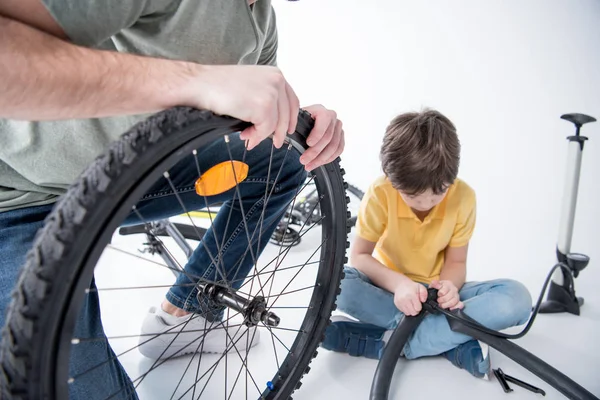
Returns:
point(452, 277)
point(408, 295)
point(361, 258)
point(455, 266)
point(455, 258)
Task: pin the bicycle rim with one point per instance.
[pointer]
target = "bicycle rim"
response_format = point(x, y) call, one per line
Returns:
point(55, 280)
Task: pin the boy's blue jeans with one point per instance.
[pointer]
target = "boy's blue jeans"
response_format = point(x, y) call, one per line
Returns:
point(497, 304)
point(18, 228)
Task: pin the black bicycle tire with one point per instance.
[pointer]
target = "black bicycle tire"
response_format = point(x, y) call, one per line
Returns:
point(40, 300)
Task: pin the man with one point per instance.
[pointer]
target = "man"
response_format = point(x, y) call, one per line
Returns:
point(76, 74)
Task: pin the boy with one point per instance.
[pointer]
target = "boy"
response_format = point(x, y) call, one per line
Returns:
point(413, 231)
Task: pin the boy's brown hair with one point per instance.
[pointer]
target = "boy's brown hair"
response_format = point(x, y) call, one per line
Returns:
point(420, 151)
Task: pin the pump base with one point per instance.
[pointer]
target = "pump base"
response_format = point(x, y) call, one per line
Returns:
point(560, 299)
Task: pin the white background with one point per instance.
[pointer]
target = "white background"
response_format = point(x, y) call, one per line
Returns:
point(504, 72)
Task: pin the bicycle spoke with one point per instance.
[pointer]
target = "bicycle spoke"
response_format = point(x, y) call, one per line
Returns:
point(167, 348)
point(96, 339)
point(162, 361)
point(241, 205)
point(294, 291)
point(201, 344)
point(112, 289)
point(272, 272)
point(199, 361)
point(219, 252)
point(243, 256)
point(231, 204)
point(273, 336)
point(301, 228)
point(287, 329)
point(193, 387)
point(76, 341)
point(216, 363)
point(274, 259)
point(129, 253)
point(242, 366)
point(268, 197)
point(300, 270)
point(225, 374)
point(214, 368)
point(181, 203)
point(244, 360)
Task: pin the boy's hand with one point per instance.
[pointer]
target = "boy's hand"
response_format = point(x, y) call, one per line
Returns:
point(448, 296)
point(409, 296)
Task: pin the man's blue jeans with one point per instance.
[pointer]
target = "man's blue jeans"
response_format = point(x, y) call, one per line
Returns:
point(496, 304)
point(101, 374)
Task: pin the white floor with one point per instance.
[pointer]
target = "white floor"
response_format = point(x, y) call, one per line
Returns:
point(565, 341)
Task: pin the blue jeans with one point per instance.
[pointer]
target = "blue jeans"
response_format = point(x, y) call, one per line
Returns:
point(102, 373)
point(496, 304)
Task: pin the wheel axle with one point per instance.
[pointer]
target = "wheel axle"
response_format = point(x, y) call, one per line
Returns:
point(254, 310)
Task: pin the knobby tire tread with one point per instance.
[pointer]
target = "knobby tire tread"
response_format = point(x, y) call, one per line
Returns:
point(21, 336)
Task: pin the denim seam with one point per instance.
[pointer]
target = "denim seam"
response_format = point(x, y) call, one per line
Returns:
point(187, 189)
point(164, 193)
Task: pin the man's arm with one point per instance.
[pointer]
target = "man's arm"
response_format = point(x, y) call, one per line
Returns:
point(43, 77)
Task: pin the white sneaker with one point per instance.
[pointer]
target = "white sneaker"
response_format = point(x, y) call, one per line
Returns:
point(164, 335)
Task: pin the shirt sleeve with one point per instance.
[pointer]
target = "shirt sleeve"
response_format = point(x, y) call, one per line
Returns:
point(465, 225)
point(90, 23)
point(268, 56)
point(372, 216)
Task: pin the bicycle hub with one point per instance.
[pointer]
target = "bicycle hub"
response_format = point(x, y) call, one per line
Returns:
point(254, 310)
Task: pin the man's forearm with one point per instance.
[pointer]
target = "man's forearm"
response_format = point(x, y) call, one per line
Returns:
point(45, 78)
point(379, 274)
point(456, 272)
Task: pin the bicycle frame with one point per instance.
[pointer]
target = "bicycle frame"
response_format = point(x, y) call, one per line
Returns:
point(385, 369)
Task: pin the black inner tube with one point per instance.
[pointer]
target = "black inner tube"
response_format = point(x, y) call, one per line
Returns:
point(460, 322)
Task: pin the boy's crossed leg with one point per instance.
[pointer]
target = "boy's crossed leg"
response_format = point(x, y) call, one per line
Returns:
point(496, 304)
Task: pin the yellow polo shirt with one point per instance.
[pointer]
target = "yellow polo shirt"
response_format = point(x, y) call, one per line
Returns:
point(405, 243)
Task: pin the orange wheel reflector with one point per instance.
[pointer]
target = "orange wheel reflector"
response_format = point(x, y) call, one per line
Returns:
point(221, 178)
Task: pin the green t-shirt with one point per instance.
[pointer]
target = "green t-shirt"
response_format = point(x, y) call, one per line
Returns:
point(39, 160)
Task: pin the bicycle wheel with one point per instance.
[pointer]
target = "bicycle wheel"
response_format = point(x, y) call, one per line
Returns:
point(306, 210)
point(64, 265)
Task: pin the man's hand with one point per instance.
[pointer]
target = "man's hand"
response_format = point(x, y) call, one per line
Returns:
point(448, 297)
point(256, 94)
point(326, 140)
point(409, 296)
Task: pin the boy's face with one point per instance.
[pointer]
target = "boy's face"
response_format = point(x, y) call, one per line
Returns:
point(423, 201)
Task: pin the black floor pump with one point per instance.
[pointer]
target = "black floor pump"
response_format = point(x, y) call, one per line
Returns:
point(561, 294)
